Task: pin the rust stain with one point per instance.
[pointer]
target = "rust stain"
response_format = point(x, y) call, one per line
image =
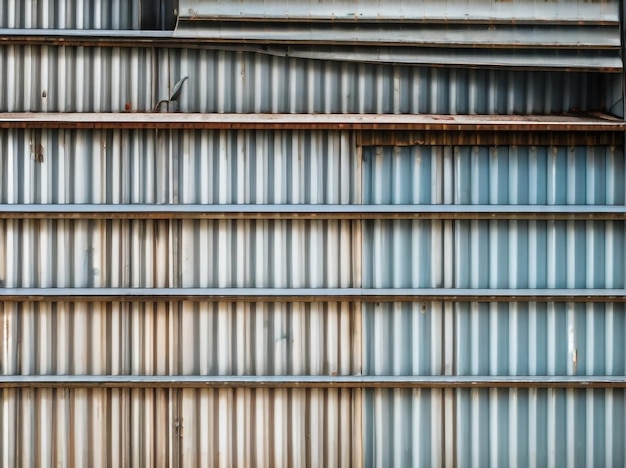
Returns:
point(39, 153)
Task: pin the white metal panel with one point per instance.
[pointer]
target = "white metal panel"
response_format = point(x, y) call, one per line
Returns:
point(265, 427)
point(191, 338)
point(88, 427)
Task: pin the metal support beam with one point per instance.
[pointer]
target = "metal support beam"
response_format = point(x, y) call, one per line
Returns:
point(376, 122)
point(311, 295)
point(308, 381)
point(313, 212)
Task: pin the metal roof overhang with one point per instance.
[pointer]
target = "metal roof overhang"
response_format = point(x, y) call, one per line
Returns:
point(575, 50)
point(521, 34)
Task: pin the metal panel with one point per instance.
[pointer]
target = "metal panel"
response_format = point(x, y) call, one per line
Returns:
point(265, 427)
point(498, 175)
point(497, 339)
point(443, 33)
point(135, 253)
point(70, 14)
point(495, 427)
point(104, 427)
point(494, 254)
point(128, 167)
point(88, 427)
point(140, 338)
point(543, 427)
point(415, 11)
point(98, 79)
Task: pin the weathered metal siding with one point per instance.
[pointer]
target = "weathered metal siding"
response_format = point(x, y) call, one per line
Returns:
point(113, 79)
point(179, 422)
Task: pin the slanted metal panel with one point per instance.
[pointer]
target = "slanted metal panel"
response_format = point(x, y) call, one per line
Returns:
point(443, 33)
point(71, 14)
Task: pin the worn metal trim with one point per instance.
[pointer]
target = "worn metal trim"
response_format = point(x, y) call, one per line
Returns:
point(500, 138)
point(347, 212)
point(429, 122)
point(307, 381)
point(312, 294)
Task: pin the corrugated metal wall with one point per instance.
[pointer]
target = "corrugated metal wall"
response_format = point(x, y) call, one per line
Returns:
point(75, 371)
point(112, 79)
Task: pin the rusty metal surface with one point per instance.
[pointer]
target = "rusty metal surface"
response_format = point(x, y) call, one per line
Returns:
point(258, 121)
point(500, 138)
point(308, 381)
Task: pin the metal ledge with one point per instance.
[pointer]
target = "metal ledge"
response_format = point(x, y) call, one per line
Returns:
point(310, 295)
point(574, 46)
point(312, 212)
point(307, 381)
point(385, 122)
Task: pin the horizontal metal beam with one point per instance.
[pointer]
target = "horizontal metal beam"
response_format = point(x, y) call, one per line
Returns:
point(424, 11)
point(310, 295)
point(386, 122)
point(307, 381)
point(592, 52)
point(565, 34)
point(435, 35)
point(312, 212)
point(500, 138)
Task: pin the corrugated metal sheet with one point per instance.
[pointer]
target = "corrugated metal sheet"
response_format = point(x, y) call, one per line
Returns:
point(88, 427)
point(486, 341)
point(497, 175)
point(230, 427)
point(105, 79)
point(70, 14)
point(494, 427)
point(494, 254)
point(217, 167)
point(519, 339)
point(186, 338)
point(498, 426)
